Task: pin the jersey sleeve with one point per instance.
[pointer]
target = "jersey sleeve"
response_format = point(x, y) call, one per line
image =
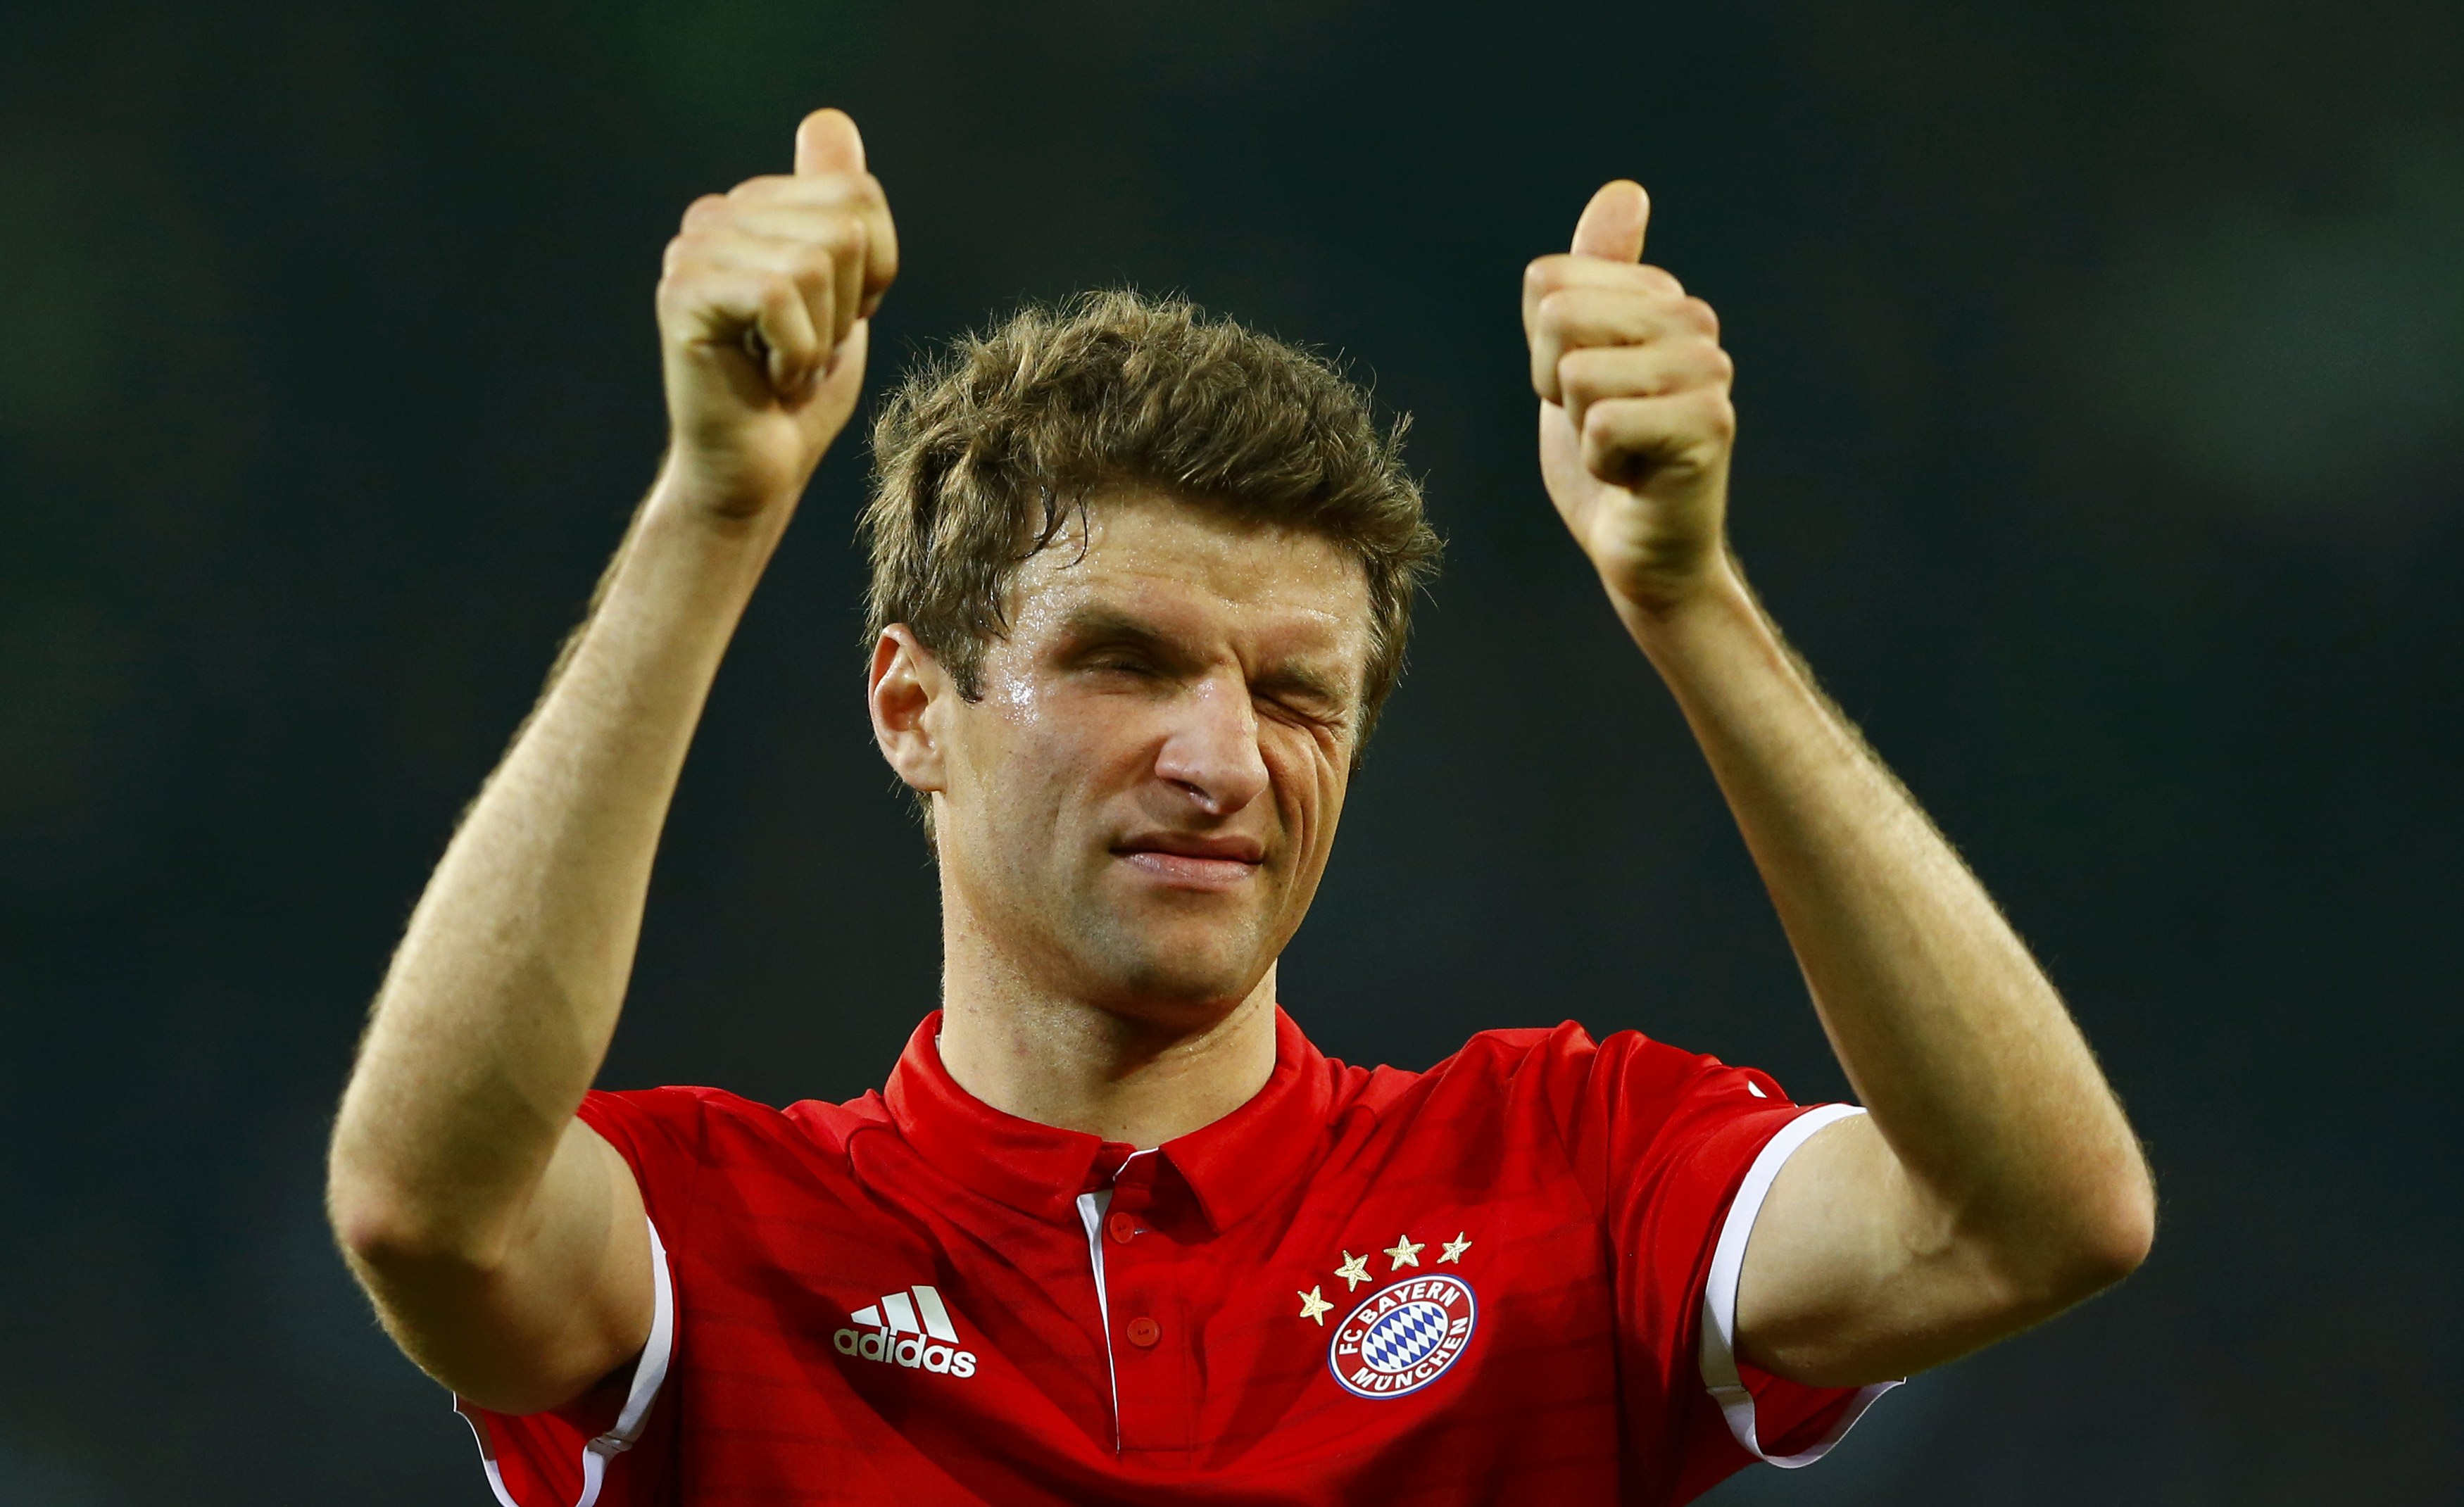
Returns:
point(614, 1446)
point(1677, 1152)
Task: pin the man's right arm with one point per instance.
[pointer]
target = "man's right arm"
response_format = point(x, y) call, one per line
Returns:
point(502, 1240)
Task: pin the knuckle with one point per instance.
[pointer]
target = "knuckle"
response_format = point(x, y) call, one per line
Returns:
point(815, 259)
point(853, 191)
point(1580, 375)
point(682, 263)
point(1544, 274)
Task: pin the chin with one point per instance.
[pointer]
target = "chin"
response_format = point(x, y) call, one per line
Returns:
point(1154, 977)
point(1183, 990)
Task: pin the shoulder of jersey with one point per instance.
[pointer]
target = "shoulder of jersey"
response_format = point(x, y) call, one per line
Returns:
point(1483, 1066)
point(716, 1113)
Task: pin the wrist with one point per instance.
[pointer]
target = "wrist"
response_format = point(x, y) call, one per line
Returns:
point(1713, 630)
point(1673, 606)
point(687, 558)
point(721, 496)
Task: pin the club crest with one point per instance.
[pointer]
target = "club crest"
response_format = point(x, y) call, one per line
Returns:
point(1403, 1337)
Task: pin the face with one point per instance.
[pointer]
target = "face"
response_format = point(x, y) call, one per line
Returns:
point(1138, 809)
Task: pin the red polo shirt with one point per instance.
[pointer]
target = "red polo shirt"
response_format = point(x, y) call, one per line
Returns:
point(1509, 1277)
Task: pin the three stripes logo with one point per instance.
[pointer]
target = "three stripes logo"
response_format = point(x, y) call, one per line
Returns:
point(912, 1330)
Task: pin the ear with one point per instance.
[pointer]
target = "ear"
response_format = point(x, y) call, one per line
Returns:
point(901, 689)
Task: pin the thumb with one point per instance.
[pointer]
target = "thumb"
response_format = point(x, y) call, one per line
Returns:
point(827, 141)
point(1612, 224)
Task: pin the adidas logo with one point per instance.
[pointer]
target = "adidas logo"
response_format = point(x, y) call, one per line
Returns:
point(912, 1330)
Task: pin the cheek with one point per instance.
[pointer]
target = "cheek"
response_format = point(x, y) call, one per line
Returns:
point(1309, 790)
point(1039, 746)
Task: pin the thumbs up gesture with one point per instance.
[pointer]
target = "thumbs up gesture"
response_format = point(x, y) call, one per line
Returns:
point(764, 302)
point(1636, 425)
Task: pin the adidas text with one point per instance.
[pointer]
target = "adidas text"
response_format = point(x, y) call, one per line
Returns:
point(913, 1329)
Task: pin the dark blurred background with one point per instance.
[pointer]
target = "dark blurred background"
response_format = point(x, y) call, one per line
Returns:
point(2103, 447)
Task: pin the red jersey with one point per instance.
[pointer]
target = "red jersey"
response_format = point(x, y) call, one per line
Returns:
point(1511, 1277)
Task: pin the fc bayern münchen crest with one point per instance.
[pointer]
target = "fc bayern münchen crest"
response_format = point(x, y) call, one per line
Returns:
point(1403, 1337)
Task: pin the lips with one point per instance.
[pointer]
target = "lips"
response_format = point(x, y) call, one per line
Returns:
point(1189, 861)
point(1191, 844)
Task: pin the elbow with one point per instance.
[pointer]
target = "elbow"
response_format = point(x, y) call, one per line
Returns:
point(385, 1229)
point(2131, 1230)
point(2104, 1254)
point(373, 1230)
point(2118, 1221)
point(2103, 1238)
point(377, 1228)
point(2121, 1235)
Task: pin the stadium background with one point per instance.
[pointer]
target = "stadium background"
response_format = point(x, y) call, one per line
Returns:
point(2103, 448)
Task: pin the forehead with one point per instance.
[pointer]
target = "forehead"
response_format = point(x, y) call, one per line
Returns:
point(1191, 570)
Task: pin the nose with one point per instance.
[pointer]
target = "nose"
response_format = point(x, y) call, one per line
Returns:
point(1212, 748)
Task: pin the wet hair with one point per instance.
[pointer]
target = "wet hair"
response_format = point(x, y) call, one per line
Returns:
point(986, 453)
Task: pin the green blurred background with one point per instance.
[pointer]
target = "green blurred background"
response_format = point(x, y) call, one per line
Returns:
point(2102, 383)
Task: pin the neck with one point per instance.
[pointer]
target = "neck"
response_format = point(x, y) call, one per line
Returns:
point(1080, 1066)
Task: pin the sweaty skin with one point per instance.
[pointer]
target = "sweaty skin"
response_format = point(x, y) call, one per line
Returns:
point(1132, 820)
point(1133, 817)
point(1995, 1181)
point(503, 1241)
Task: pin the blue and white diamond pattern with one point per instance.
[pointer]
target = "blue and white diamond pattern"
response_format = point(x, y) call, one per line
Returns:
point(1403, 1337)
point(1406, 1337)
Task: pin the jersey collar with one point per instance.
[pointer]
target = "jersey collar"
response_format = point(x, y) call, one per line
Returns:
point(1231, 1166)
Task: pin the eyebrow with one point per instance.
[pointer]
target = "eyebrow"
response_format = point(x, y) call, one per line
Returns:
point(1095, 624)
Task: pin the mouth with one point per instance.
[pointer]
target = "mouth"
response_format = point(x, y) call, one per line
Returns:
point(1183, 862)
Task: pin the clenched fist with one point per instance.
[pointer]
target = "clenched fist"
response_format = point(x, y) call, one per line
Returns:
point(1635, 420)
point(762, 308)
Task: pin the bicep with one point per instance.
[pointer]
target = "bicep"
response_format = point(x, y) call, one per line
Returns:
point(1853, 1276)
point(567, 1301)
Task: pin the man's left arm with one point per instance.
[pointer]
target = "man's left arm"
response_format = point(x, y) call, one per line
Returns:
point(1994, 1181)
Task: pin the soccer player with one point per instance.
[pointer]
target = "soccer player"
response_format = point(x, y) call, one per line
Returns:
point(1114, 1230)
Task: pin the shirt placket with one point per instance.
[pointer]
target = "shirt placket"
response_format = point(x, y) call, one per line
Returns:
point(1140, 1276)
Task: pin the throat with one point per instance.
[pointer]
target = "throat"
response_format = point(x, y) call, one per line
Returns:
point(1118, 1077)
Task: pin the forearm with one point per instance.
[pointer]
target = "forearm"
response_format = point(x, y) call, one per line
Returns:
point(499, 1004)
point(1952, 1037)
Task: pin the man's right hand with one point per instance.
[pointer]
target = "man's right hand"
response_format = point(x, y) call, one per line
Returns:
point(502, 1240)
point(764, 303)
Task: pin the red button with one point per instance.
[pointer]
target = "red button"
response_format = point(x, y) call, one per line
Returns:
point(1123, 1227)
point(1144, 1331)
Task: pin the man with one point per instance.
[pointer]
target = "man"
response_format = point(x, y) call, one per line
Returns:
point(1115, 1231)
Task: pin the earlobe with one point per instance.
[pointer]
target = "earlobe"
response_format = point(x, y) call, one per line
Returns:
point(903, 682)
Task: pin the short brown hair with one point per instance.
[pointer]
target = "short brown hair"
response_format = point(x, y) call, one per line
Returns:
point(983, 452)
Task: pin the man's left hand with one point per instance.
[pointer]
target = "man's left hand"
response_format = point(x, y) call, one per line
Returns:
point(1636, 425)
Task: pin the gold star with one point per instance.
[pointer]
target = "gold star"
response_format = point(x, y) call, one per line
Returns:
point(1313, 1306)
point(1353, 1271)
point(1404, 1253)
point(1455, 1247)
